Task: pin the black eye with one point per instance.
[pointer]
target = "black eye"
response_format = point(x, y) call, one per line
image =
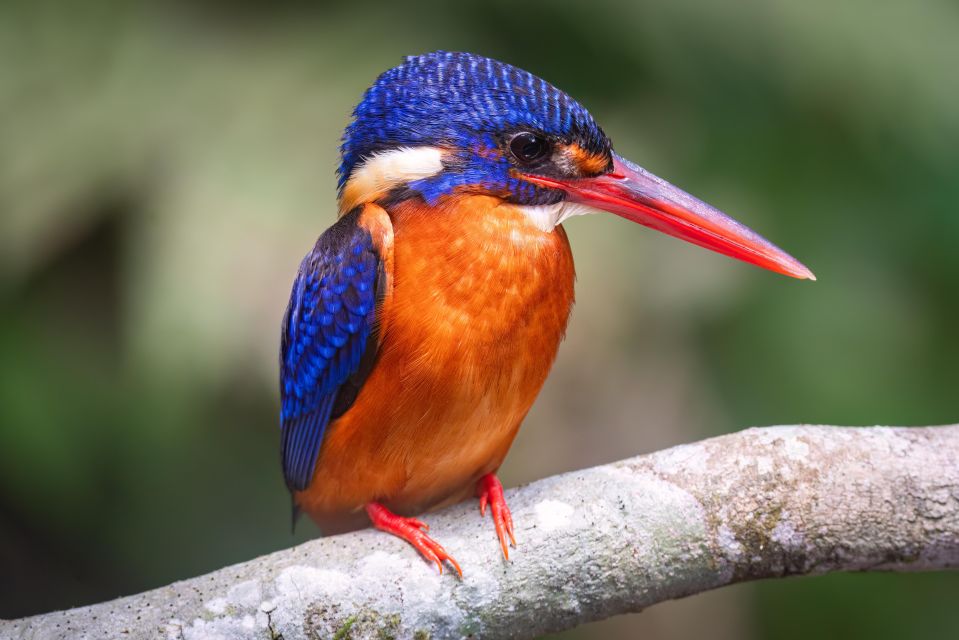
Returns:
point(528, 147)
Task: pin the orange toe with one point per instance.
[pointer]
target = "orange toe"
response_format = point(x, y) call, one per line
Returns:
point(414, 532)
point(490, 492)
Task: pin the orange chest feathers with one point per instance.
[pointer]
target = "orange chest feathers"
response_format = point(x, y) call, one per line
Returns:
point(479, 292)
point(479, 304)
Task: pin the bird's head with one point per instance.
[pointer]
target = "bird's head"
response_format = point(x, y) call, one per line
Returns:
point(444, 124)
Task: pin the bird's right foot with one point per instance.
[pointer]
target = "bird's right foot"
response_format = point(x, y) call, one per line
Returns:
point(414, 532)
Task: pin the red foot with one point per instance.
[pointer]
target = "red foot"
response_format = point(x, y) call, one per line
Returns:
point(490, 490)
point(413, 531)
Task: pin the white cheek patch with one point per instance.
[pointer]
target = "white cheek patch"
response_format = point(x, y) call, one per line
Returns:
point(545, 217)
point(384, 171)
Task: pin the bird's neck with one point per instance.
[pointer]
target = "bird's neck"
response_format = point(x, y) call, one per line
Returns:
point(482, 223)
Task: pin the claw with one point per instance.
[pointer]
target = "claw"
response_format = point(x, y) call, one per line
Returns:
point(490, 491)
point(413, 531)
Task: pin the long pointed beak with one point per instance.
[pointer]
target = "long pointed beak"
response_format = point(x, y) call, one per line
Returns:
point(635, 194)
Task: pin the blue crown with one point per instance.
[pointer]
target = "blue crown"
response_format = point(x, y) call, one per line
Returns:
point(463, 101)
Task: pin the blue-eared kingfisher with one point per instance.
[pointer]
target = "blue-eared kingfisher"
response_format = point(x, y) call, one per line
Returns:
point(424, 321)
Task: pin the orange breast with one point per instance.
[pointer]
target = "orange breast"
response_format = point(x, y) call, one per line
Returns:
point(479, 306)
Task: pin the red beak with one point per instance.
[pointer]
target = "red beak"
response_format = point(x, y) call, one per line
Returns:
point(635, 194)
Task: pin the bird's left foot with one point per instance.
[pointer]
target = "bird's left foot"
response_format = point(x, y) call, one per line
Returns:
point(490, 491)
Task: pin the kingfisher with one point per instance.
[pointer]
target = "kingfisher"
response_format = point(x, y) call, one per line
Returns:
point(424, 322)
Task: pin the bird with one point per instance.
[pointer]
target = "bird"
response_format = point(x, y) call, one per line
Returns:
point(423, 323)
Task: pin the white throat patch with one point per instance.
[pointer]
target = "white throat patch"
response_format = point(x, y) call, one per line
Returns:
point(383, 171)
point(545, 217)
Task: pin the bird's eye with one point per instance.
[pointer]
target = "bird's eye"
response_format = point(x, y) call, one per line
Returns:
point(528, 147)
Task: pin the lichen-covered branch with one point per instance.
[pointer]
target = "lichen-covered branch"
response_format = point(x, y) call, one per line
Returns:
point(760, 503)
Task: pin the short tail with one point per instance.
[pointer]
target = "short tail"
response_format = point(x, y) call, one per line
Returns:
point(295, 515)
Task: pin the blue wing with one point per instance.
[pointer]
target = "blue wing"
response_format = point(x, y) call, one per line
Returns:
point(328, 341)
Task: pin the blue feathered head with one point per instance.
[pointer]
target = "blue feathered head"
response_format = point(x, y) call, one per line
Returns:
point(491, 120)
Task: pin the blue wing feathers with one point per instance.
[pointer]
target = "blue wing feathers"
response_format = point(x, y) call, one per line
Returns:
point(327, 332)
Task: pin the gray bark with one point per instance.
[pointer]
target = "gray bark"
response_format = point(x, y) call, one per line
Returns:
point(761, 503)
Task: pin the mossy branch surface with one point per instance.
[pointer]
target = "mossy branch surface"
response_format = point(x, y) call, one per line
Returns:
point(761, 503)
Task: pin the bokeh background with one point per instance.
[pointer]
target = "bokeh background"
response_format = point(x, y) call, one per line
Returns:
point(163, 169)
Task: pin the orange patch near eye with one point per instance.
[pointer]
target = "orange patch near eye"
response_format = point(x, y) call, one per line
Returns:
point(483, 151)
point(588, 163)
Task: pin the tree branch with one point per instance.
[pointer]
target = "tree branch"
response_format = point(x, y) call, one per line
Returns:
point(761, 503)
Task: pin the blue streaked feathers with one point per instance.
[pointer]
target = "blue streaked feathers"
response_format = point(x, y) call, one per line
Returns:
point(328, 325)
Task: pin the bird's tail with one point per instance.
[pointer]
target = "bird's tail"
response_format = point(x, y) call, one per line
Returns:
point(295, 515)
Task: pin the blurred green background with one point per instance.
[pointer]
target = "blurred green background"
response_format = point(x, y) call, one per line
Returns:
point(163, 169)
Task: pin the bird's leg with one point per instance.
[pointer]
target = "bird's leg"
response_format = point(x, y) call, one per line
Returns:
point(414, 532)
point(490, 491)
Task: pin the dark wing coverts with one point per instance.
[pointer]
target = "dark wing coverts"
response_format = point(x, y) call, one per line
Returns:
point(328, 341)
